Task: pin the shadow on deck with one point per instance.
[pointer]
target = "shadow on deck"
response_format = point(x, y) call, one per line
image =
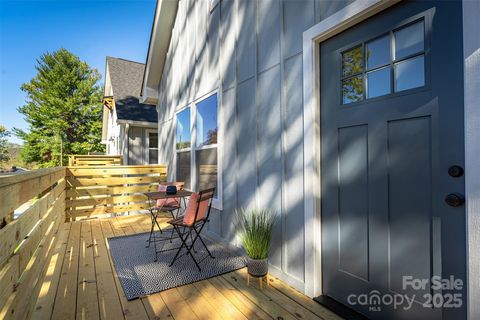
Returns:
point(81, 283)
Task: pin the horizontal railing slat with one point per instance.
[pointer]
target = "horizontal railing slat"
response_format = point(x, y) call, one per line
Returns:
point(88, 182)
point(110, 191)
point(115, 170)
point(106, 200)
point(104, 210)
point(18, 189)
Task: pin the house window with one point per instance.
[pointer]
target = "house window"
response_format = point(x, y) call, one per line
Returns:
point(201, 154)
point(183, 147)
point(390, 63)
point(152, 147)
point(206, 143)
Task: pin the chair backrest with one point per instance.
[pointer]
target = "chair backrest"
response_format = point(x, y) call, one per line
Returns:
point(199, 206)
point(170, 202)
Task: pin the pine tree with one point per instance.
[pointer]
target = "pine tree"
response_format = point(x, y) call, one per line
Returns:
point(4, 144)
point(63, 109)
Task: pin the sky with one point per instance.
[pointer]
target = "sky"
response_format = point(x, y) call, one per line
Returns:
point(91, 29)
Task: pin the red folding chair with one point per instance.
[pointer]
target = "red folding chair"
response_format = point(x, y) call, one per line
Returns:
point(192, 223)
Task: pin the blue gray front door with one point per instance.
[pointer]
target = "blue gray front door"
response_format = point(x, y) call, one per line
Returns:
point(392, 157)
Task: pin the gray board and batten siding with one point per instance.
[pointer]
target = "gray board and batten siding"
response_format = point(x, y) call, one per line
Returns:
point(251, 52)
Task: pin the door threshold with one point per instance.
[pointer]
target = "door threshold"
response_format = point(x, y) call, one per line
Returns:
point(339, 308)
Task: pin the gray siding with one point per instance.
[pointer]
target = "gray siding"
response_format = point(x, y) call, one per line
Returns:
point(251, 51)
point(137, 144)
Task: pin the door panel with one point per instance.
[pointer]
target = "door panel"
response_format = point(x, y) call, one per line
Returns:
point(353, 200)
point(390, 129)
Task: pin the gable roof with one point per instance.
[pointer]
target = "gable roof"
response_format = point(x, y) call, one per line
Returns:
point(126, 81)
point(163, 22)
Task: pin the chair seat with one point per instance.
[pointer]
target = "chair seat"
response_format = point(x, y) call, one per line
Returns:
point(168, 208)
point(177, 221)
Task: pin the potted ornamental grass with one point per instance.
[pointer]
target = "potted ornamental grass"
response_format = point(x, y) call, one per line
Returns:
point(256, 230)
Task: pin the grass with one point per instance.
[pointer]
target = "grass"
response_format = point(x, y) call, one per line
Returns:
point(256, 231)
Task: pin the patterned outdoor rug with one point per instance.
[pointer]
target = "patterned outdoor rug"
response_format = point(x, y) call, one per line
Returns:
point(140, 275)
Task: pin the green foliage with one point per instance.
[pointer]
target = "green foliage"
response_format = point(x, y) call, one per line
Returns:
point(256, 231)
point(63, 109)
point(4, 156)
point(183, 145)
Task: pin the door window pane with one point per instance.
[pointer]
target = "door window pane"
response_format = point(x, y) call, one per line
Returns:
point(183, 129)
point(153, 156)
point(352, 62)
point(352, 89)
point(153, 140)
point(378, 82)
point(378, 52)
point(410, 73)
point(206, 124)
point(207, 168)
point(409, 40)
point(152, 147)
point(183, 168)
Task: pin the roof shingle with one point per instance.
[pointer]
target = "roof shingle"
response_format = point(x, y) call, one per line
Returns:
point(126, 80)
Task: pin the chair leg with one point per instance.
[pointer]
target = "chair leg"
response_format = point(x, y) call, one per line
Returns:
point(184, 244)
point(171, 234)
point(179, 249)
point(151, 231)
point(201, 240)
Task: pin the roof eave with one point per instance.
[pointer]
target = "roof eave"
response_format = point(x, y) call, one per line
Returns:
point(164, 20)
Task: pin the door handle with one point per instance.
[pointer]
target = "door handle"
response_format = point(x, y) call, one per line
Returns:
point(455, 199)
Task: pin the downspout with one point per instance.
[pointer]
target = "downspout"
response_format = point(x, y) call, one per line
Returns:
point(126, 145)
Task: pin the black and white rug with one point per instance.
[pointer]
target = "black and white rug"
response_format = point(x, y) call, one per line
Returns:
point(140, 275)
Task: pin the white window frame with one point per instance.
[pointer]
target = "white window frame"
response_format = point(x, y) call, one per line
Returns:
point(217, 202)
point(147, 145)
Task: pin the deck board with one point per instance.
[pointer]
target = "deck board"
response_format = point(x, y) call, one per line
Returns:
point(81, 283)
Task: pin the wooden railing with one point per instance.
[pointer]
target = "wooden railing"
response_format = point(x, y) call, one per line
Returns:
point(94, 160)
point(27, 242)
point(114, 189)
point(48, 198)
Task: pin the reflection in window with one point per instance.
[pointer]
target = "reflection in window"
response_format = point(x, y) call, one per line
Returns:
point(206, 122)
point(352, 89)
point(410, 73)
point(153, 156)
point(377, 52)
point(152, 147)
point(207, 168)
point(409, 40)
point(378, 82)
point(183, 168)
point(183, 129)
point(369, 74)
point(197, 166)
point(352, 62)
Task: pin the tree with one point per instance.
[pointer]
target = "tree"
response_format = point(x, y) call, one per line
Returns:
point(63, 109)
point(4, 156)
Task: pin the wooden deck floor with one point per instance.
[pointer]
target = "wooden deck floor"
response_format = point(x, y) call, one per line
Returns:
point(81, 283)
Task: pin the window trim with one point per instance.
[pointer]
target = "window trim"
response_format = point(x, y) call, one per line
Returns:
point(147, 145)
point(217, 202)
